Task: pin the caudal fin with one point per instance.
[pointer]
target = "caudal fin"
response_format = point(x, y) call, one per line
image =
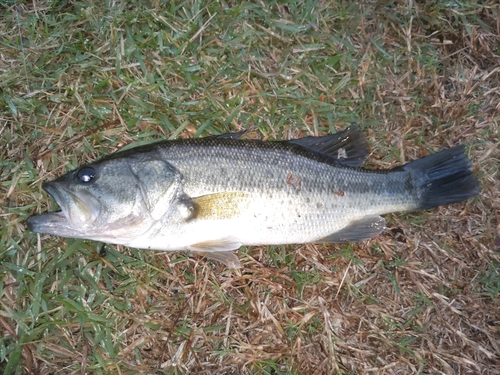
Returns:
point(443, 178)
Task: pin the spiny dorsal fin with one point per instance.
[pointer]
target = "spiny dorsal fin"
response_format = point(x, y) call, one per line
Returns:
point(220, 206)
point(348, 147)
point(235, 135)
point(359, 230)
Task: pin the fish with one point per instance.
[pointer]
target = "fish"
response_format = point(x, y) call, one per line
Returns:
point(215, 194)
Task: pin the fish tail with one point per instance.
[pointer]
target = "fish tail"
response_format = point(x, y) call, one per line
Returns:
point(443, 178)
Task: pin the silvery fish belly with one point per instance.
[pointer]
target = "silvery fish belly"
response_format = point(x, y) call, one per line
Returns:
point(215, 194)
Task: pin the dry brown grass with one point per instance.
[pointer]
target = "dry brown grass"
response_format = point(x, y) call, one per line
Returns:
point(422, 298)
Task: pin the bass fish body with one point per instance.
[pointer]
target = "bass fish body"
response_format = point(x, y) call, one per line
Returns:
point(215, 194)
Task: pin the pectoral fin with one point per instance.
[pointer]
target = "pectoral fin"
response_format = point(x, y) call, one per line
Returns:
point(220, 206)
point(356, 231)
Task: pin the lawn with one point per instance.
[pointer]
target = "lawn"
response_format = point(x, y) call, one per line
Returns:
point(80, 80)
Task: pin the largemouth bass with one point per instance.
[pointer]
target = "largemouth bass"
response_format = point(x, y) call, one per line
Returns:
point(215, 194)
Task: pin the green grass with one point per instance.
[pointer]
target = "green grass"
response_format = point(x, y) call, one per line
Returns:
point(80, 80)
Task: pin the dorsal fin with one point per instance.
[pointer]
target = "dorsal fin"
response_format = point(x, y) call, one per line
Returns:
point(348, 147)
point(235, 135)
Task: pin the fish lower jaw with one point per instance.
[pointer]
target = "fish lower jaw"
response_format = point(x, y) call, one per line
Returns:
point(47, 223)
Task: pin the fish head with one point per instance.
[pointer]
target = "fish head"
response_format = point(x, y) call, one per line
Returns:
point(110, 200)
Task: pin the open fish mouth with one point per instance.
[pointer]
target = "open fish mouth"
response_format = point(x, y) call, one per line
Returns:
point(77, 212)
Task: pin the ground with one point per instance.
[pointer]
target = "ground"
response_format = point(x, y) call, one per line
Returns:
point(80, 80)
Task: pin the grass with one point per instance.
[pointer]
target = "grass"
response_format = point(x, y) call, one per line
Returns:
point(79, 80)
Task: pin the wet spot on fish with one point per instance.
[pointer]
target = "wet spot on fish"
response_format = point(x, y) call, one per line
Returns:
point(340, 193)
point(342, 154)
point(187, 209)
point(295, 181)
point(187, 212)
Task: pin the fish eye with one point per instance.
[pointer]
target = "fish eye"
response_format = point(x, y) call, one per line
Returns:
point(86, 174)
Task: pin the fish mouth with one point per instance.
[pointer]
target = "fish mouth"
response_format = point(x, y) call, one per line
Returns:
point(79, 211)
point(51, 223)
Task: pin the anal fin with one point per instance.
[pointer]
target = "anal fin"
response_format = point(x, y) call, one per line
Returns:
point(359, 230)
